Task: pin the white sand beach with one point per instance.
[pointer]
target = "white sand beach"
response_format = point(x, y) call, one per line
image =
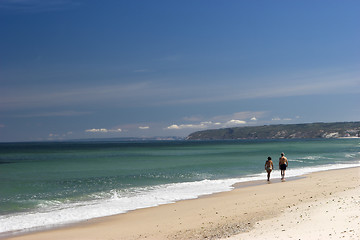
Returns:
point(334, 217)
point(323, 205)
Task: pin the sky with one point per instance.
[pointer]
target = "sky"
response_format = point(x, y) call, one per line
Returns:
point(77, 69)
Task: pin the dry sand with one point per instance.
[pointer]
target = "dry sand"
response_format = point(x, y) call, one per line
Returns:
point(324, 205)
point(335, 217)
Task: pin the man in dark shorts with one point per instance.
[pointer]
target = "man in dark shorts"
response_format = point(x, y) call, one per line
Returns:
point(283, 163)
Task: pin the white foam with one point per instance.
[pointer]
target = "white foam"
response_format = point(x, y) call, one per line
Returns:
point(313, 157)
point(295, 160)
point(55, 213)
point(351, 155)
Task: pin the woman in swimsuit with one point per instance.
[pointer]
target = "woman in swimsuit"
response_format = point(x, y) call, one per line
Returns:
point(269, 167)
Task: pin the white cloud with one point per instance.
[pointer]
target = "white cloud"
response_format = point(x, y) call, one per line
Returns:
point(174, 126)
point(276, 119)
point(185, 126)
point(96, 130)
point(103, 130)
point(144, 127)
point(116, 130)
point(234, 122)
point(201, 125)
point(206, 125)
point(239, 115)
point(221, 121)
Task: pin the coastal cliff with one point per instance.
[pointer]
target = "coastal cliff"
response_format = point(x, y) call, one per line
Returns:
point(282, 131)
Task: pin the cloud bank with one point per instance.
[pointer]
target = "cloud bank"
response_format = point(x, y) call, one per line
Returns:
point(207, 125)
point(236, 119)
point(201, 125)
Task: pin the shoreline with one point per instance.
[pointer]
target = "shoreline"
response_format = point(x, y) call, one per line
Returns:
point(212, 216)
point(251, 183)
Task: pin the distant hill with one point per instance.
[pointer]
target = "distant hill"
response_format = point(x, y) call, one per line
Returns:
point(282, 131)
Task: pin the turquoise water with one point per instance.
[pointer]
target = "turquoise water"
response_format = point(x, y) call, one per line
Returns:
point(53, 183)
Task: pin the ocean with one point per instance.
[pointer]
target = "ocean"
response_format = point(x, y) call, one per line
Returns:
point(47, 184)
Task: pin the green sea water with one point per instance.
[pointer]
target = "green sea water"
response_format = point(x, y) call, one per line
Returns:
point(46, 179)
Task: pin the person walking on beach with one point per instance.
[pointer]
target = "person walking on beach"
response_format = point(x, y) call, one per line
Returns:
point(269, 167)
point(283, 163)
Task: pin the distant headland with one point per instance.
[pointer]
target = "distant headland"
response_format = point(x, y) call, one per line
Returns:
point(282, 131)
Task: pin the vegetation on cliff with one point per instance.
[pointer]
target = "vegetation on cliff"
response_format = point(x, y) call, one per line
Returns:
point(289, 131)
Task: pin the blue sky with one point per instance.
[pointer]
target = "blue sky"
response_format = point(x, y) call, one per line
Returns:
point(73, 69)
